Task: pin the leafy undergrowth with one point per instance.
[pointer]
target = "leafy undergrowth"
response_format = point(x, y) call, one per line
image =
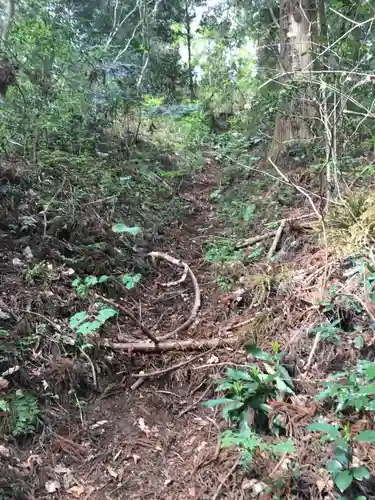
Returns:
point(287, 414)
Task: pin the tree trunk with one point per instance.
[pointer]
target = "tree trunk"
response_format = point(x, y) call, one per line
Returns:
point(189, 40)
point(7, 18)
point(296, 59)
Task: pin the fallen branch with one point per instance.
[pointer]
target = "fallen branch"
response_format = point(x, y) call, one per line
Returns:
point(174, 345)
point(276, 240)
point(261, 237)
point(181, 280)
point(255, 239)
point(158, 373)
point(197, 298)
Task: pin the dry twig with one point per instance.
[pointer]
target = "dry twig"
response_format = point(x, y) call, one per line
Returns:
point(193, 405)
point(276, 240)
point(222, 483)
point(158, 373)
point(255, 239)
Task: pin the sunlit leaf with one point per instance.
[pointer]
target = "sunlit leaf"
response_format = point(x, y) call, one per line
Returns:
point(106, 313)
point(122, 228)
point(367, 389)
point(77, 319)
point(130, 280)
point(249, 212)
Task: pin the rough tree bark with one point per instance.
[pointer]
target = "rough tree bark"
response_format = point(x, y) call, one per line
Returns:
point(297, 18)
point(189, 38)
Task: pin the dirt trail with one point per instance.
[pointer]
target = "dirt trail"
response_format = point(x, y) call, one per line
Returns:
point(147, 443)
point(156, 442)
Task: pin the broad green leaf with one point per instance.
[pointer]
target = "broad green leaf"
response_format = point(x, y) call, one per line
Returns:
point(361, 473)
point(321, 396)
point(77, 319)
point(91, 280)
point(370, 371)
point(284, 447)
point(367, 389)
point(106, 313)
point(285, 375)
point(122, 228)
point(89, 327)
point(366, 437)
point(103, 278)
point(224, 386)
point(361, 497)
point(343, 480)
point(130, 280)
point(331, 430)
point(342, 443)
point(333, 466)
point(257, 353)
point(217, 402)
point(361, 402)
point(238, 374)
point(282, 387)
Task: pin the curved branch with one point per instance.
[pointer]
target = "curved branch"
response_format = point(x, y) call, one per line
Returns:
point(197, 298)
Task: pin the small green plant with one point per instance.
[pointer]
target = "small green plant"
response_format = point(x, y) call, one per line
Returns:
point(341, 466)
point(249, 442)
point(40, 273)
point(252, 388)
point(223, 251)
point(21, 412)
point(329, 331)
point(351, 389)
point(85, 325)
point(83, 286)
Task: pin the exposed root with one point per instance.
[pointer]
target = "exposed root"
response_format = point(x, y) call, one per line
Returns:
point(197, 299)
point(175, 345)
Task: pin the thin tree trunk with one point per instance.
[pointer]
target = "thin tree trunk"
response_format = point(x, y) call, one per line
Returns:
point(189, 40)
point(7, 18)
point(296, 58)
